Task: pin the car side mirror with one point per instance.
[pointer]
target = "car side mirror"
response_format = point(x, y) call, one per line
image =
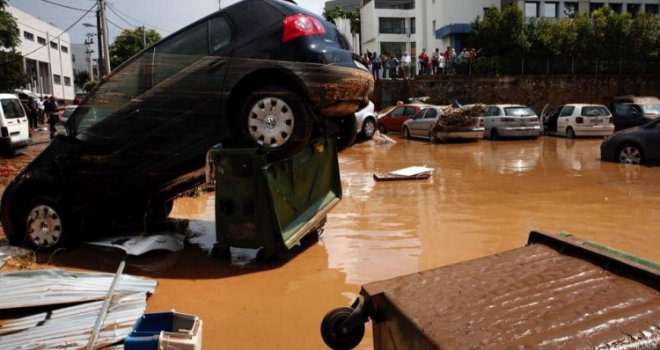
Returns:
point(60, 129)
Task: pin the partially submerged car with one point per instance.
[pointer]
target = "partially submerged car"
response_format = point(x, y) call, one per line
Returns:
point(630, 111)
point(366, 121)
point(638, 145)
point(428, 124)
point(393, 119)
point(506, 120)
point(579, 119)
point(140, 138)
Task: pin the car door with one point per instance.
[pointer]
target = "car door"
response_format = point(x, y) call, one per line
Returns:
point(490, 119)
point(550, 121)
point(415, 125)
point(564, 119)
point(652, 150)
point(392, 121)
point(427, 122)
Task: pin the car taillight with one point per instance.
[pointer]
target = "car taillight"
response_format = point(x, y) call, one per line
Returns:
point(611, 120)
point(505, 119)
point(5, 131)
point(579, 120)
point(299, 25)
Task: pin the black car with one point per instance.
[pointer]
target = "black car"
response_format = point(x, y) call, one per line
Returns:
point(630, 111)
point(637, 145)
point(260, 73)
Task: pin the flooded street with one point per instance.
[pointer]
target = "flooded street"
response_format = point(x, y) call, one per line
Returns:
point(483, 198)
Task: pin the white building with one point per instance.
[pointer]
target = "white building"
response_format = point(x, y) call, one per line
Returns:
point(408, 25)
point(47, 56)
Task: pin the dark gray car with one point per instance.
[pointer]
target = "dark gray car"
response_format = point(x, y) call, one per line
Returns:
point(634, 146)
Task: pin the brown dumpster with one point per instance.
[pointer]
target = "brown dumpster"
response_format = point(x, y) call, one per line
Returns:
point(556, 292)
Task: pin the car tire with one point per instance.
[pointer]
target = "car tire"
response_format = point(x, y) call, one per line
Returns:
point(570, 133)
point(344, 130)
point(432, 139)
point(382, 129)
point(630, 154)
point(406, 133)
point(277, 120)
point(368, 128)
point(494, 134)
point(46, 226)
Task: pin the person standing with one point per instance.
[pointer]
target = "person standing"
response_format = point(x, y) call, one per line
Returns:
point(406, 61)
point(442, 64)
point(383, 62)
point(448, 60)
point(435, 61)
point(375, 62)
point(53, 112)
point(423, 62)
point(393, 63)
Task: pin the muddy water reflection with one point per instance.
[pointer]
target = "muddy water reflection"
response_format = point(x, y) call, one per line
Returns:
point(483, 198)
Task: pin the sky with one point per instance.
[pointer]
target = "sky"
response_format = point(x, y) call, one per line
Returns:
point(164, 16)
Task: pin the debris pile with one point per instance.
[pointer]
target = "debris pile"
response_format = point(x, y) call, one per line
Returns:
point(69, 327)
point(382, 139)
point(458, 118)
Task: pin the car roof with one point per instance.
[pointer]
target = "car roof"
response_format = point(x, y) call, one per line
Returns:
point(5, 96)
point(509, 106)
point(584, 104)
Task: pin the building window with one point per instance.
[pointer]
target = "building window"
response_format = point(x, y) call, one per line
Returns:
point(41, 40)
point(412, 25)
point(531, 9)
point(616, 7)
point(28, 36)
point(392, 25)
point(64, 49)
point(651, 8)
point(595, 6)
point(570, 9)
point(633, 9)
point(57, 79)
point(395, 4)
point(550, 10)
point(53, 45)
point(67, 81)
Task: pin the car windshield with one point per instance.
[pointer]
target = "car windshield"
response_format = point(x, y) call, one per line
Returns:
point(651, 109)
point(12, 108)
point(595, 111)
point(518, 111)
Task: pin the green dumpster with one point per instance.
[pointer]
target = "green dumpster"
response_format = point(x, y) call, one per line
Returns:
point(273, 205)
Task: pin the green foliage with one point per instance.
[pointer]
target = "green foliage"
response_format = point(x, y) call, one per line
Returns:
point(603, 35)
point(80, 78)
point(11, 71)
point(88, 86)
point(330, 13)
point(129, 43)
point(9, 35)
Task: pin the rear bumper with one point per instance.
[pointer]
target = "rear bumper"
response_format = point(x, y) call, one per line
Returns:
point(523, 131)
point(6, 144)
point(338, 91)
point(472, 134)
point(594, 131)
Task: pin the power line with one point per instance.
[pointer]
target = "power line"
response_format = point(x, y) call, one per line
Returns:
point(113, 23)
point(65, 6)
point(120, 17)
point(142, 22)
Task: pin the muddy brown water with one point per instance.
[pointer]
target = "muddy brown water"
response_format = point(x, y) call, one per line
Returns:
point(483, 198)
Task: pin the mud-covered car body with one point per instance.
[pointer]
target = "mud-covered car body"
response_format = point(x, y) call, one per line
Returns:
point(140, 138)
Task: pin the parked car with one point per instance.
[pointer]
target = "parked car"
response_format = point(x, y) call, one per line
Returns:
point(366, 121)
point(640, 144)
point(504, 120)
point(578, 119)
point(629, 111)
point(140, 137)
point(393, 120)
point(14, 125)
point(421, 126)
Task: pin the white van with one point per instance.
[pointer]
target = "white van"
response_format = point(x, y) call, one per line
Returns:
point(14, 126)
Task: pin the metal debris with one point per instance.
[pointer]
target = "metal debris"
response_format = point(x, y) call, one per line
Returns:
point(138, 245)
point(51, 287)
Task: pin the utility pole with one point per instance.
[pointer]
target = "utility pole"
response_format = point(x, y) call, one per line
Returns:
point(99, 35)
point(89, 41)
point(104, 51)
point(105, 37)
point(144, 37)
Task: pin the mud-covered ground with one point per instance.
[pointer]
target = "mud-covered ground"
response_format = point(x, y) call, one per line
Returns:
point(483, 198)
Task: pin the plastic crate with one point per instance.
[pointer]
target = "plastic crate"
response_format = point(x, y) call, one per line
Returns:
point(165, 330)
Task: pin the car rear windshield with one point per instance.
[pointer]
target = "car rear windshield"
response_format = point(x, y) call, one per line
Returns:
point(650, 109)
point(12, 108)
point(518, 111)
point(595, 111)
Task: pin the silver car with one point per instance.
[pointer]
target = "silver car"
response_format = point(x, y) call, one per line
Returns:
point(366, 121)
point(511, 121)
point(422, 123)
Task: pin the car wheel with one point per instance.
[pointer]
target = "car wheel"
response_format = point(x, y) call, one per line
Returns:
point(432, 139)
point(368, 128)
point(494, 134)
point(46, 226)
point(570, 133)
point(406, 133)
point(381, 129)
point(276, 119)
point(630, 154)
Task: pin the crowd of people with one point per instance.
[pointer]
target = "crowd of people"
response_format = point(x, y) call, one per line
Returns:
point(448, 62)
point(42, 111)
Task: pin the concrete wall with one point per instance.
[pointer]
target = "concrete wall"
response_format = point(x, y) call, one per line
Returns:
point(534, 91)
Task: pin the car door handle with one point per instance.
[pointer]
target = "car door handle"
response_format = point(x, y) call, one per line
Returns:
point(216, 65)
point(133, 114)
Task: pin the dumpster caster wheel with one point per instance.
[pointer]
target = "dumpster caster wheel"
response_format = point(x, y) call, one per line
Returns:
point(335, 335)
point(221, 251)
point(267, 255)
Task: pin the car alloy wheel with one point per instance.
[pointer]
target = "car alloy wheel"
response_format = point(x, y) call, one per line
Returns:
point(570, 133)
point(368, 128)
point(44, 224)
point(271, 122)
point(630, 154)
point(381, 129)
point(406, 133)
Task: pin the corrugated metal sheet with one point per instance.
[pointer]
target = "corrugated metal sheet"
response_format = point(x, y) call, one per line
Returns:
point(51, 287)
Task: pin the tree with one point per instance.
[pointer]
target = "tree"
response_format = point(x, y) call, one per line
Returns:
point(129, 43)
point(80, 77)
point(645, 36)
point(330, 13)
point(11, 62)
point(90, 85)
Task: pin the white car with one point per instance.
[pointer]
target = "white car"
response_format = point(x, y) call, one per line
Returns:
point(14, 126)
point(366, 121)
point(510, 121)
point(577, 119)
